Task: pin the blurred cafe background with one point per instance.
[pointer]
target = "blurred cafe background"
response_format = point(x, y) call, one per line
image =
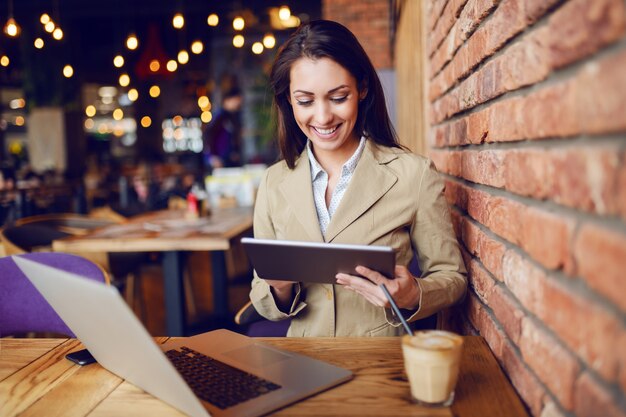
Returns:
point(109, 103)
point(114, 109)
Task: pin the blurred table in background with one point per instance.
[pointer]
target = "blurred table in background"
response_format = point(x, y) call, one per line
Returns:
point(173, 234)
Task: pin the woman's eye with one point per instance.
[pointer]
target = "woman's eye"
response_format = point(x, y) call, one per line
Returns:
point(339, 99)
point(304, 102)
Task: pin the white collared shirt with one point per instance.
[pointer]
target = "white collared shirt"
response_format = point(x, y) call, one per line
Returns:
point(319, 179)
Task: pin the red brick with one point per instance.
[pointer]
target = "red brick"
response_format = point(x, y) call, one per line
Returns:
point(589, 329)
point(601, 255)
point(507, 311)
point(546, 237)
point(484, 167)
point(485, 325)
point(503, 218)
point(456, 194)
point(471, 16)
point(445, 22)
point(586, 178)
point(601, 95)
point(480, 280)
point(488, 250)
point(621, 347)
point(523, 380)
point(593, 400)
point(581, 27)
point(434, 11)
point(529, 172)
point(552, 363)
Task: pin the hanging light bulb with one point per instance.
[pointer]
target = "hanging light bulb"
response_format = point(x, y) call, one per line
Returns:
point(118, 61)
point(50, 26)
point(155, 91)
point(239, 23)
point(133, 94)
point(68, 71)
point(197, 47)
point(284, 13)
point(57, 34)
point(132, 42)
point(178, 21)
point(213, 19)
point(39, 43)
point(154, 65)
point(124, 80)
point(238, 41)
point(269, 41)
point(183, 57)
point(5, 61)
point(257, 48)
point(172, 65)
point(12, 29)
point(44, 18)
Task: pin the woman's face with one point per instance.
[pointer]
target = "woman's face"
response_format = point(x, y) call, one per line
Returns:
point(325, 101)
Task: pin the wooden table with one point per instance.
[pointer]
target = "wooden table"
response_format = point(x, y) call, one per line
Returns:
point(170, 232)
point(35, 379)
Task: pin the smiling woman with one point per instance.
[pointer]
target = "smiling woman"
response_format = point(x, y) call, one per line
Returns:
point(345, 179)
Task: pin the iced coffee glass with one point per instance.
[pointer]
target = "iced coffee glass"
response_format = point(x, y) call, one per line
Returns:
point(431, 360)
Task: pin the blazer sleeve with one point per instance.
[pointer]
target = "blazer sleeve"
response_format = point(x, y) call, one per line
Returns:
point(260, 294)
point(444, 277)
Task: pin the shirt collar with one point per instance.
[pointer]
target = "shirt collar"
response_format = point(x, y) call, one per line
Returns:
point(348, 167)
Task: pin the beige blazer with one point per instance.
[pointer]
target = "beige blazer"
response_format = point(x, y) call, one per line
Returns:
point(395, 198)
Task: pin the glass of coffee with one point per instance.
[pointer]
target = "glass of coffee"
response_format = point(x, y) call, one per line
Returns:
point(431, 360)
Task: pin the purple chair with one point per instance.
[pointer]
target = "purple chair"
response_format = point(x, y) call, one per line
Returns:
point(255, 325)
point(22, 308)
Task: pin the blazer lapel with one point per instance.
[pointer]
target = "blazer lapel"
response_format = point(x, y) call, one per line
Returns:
point(298, 192)
point(370, 181)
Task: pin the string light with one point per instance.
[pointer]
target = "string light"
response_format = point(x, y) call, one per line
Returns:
point(206, 116)
point(238, 23)
point(238, 41)
point(155, 65)
point(11, 28)
point(5, 61)
point(178, 21)
point(155, 91)
point(118, 114)
point(124, 80)
point(90, 110)
point(57, 34)
point(89, 124)
point(183, 57)
point(44, 18)
point(204, 102)
point(146, 121)
point(257, 48)
point(197, 47)
point(133, 94)
point(284, 13)
point(269, 41)
point(213, 19)
point(49, 27)
point(39, 43)
point(172, 65)
point(118, 61)
point(68, 71)
point(132, 42)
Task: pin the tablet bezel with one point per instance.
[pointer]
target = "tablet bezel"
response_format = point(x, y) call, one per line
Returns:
point(289, 260)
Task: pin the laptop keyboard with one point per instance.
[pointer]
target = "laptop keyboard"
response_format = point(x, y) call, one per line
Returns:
point(216, 382)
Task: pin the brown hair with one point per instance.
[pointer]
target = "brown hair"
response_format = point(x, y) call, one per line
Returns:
point(327, 39)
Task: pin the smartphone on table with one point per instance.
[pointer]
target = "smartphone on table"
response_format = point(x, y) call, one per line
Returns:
point(81, 357)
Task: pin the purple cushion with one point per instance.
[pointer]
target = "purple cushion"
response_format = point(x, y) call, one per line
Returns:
point(22, 308)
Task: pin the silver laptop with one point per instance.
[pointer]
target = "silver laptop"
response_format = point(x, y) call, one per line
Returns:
point(292, 260)
point(102, 321)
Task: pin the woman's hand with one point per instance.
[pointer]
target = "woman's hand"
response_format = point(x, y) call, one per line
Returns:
point(404, 289)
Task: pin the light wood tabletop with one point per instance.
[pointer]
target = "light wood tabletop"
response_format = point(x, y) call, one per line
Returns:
point(173, 234)
point(36, 380)
point(166, 230)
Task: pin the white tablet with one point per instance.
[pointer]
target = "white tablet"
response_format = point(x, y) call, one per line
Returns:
point(288, 260)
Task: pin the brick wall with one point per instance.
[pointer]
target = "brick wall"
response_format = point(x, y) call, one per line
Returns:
point(527, 108)
point(370, 23)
